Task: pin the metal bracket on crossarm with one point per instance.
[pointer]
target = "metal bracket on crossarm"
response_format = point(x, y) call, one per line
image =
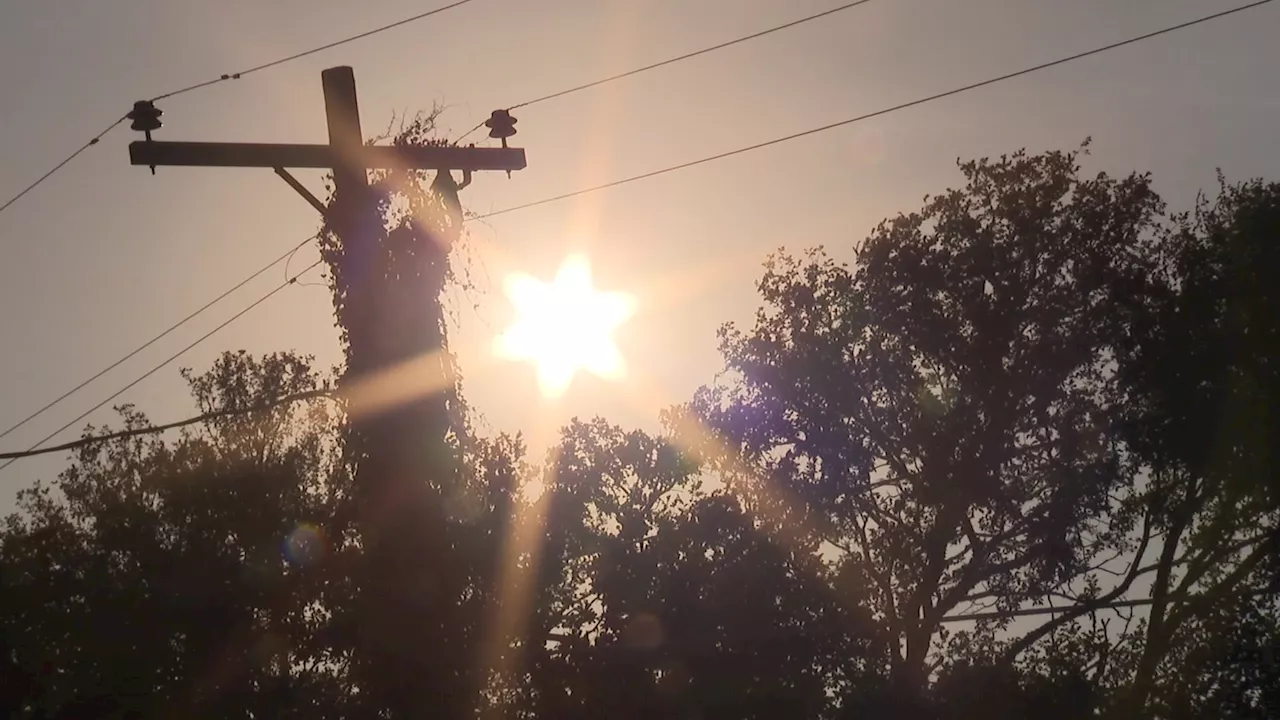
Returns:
point(303, 191)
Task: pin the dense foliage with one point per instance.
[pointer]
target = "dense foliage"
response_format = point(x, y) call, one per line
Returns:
point(1016, 458)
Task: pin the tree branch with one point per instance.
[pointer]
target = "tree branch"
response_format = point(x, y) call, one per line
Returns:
point(1222, 589)
point(1071, 614)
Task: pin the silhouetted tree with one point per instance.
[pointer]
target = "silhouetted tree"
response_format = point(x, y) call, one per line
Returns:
point(940, 415)
point(1203, 414)
point(662, 596)
point(193, 577)
point(1035, 390)
point(150, 578)
point(213, 575)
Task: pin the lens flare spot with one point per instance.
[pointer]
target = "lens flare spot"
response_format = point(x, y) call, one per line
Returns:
point(304, 546)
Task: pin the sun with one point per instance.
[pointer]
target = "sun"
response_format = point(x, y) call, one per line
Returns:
point(565, 326)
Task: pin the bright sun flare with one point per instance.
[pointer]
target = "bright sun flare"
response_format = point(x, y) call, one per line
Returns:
point(565, 326)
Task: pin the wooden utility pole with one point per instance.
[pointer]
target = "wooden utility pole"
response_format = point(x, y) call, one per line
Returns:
point(386, 295)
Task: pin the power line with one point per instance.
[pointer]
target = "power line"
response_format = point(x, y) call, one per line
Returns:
point(1085, 606)
point(1063, 609)
point(877, 113)
point(206, 417)
point(264, 66)
point(95, 139)
point(678, 58)
point(743, 150)
point(32, 450)
point(91, 142)
point(312, 51)
point(155, 339)
point(231, 76)
point(690, 55)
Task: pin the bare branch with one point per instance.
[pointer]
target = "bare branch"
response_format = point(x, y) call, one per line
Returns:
point(1107, 600)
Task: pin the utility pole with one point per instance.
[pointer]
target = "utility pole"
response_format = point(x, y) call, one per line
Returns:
point(386, 297)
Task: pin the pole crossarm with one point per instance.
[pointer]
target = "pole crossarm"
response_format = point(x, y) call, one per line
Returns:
point(268, 155)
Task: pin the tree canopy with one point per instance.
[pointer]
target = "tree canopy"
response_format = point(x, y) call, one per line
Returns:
point(1012, 454)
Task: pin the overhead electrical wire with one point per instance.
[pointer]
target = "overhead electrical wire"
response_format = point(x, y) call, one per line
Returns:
point(768, 143)
point(686, 56)
point(13, 457)
point(152, 429)
point(232, 76)
point(91, 142)
point(1079, 608)
point(676, 59)
point(328, 46)
point(155, 339)
point(242, 73)
point(36, 450)
point(875, 114)
point(98, 137)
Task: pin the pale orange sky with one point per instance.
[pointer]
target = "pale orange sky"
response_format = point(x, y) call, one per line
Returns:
point(103, 256)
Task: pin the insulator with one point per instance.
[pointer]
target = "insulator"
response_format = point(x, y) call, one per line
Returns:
point(501, 125)
point(145, 116)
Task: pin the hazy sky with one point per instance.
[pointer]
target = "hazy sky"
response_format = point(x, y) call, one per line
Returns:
point(103, 256)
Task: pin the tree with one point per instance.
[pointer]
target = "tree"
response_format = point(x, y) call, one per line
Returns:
point(214, 575)
point(1036, 390)
point(195, 577)
point(942, 417)
point(169, 554)
point(1203, 413)
point(660, 596)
